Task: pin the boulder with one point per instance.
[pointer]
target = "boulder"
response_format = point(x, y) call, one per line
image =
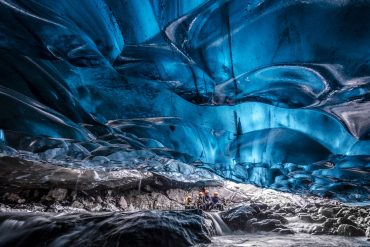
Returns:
point(327, 212)
point(279, 217)
point(263, 215)
point(309, 219)
point(321, 219)
point(306, 218)
point(352, 217)
point(341, 212)
point(276, 207)
point(236, 218)
point(259, 206)
point(350, 231)
point(318, 230)
point(145, 228)
point(363, 212)
point(342, 221)
point(251, 221)
point(286, 210)
point(329, 223)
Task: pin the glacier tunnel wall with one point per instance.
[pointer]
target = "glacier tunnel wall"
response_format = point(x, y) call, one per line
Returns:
point(274, 93)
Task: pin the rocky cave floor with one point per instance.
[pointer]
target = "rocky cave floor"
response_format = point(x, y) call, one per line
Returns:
point(147, 210)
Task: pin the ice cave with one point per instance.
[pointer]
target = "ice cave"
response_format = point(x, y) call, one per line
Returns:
point(119, 118)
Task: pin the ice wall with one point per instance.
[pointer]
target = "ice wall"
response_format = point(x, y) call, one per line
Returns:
point(274, 93)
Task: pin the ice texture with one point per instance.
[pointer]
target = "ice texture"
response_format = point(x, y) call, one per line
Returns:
point(273, 92)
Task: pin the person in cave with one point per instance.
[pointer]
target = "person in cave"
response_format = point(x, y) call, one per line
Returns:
point(207, 200)
point(189, 203)
point(200, 200)
point(216, 202)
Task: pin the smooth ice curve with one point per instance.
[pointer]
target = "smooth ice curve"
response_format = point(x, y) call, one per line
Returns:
point(274, 93)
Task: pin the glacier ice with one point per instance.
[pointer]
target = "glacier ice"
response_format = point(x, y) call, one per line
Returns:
point(270, 92)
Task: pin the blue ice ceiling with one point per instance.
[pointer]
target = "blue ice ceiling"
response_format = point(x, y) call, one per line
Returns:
point(274, 93)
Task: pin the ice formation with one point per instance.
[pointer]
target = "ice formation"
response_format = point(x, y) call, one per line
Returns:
point(273, 92)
